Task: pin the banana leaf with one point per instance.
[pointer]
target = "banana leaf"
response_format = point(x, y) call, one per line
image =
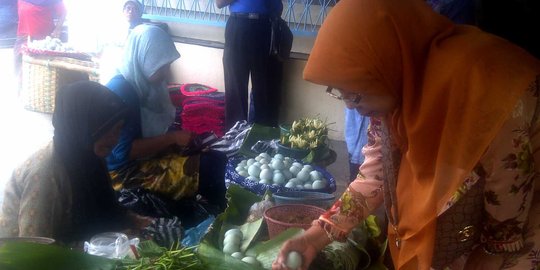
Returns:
point(209, 251)
point(23, 256)
point(257, 133)
point(266, 252)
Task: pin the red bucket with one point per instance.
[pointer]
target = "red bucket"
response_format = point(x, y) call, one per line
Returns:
point(282, 217)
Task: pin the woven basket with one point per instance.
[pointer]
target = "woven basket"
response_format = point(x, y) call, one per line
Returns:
point(282, 217)
point(43, 76)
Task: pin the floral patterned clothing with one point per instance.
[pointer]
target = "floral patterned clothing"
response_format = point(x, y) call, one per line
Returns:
point(509, 170)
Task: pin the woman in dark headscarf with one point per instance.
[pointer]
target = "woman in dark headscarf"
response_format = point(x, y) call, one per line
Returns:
point(63, 191)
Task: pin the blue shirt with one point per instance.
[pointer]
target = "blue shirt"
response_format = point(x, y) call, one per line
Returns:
point(356, 127)
point(256, 6)
point(131, 130)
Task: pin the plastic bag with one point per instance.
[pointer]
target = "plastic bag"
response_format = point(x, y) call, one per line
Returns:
point(111, 245)
point(194, 235)
point(269, 147)
point(189, 210)
point(164, 231)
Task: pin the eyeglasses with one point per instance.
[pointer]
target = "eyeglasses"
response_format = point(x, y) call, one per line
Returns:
point(354, 98)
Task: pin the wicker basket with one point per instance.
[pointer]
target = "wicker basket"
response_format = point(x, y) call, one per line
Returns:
point(282, 217)
point(43, 76)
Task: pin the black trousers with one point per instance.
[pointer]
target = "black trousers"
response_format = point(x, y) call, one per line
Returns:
point(247, 46)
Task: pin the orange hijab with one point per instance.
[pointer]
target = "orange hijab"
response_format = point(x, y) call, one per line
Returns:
point(456, 86)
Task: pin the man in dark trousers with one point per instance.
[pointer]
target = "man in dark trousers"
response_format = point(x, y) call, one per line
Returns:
point(247, 52)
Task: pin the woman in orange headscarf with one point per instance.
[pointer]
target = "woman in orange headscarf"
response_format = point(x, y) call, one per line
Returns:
point(453, 142)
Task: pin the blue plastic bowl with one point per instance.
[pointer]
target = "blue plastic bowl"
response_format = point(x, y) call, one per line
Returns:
point(319, 199)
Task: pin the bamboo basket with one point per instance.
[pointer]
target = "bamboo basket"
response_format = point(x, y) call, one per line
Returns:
point(42, 76)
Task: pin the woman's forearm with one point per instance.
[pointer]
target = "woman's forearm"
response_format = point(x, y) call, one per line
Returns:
point(146, 147)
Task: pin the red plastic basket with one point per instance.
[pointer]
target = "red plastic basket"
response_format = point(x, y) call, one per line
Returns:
point(282, 217)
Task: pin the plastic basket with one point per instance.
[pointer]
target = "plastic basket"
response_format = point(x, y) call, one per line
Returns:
point(282, 217)
point(319, 199)
point(43, 76)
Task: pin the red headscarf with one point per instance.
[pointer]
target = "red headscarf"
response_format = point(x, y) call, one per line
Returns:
point(456, 86)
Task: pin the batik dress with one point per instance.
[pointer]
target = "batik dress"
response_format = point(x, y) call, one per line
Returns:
point(507, 172)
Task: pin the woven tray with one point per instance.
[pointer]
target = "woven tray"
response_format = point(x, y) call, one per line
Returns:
point(43, 76)
point(48, 53)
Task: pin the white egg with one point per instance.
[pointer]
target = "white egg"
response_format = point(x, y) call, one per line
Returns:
point(252, 178)
point(238, 255)
point(287, 159)
point(243, 173)
point(239, 168)
point(290, 184)
point(302, 176)
point(315, 175)
point(234, 231)
point(279, 177)
point(243, 162)
point(264, 161)
point(232, 238)
point(308, 167)
point(250, 161)
point(253, 170)
point(251, 260)
point(277, 164)
point(266, 174)
point(266, 182)
point(277, 171)
point(265, 166)
point(256, 163)
point(286, 164)
point(279, 182)
point(319, 184)
point(294, 170)
point(280, 156)
point(297, 164)
point(294, 180)
point(288, 175)
point(307, 186)
point(294, 260)
point(258, 158)
point(230, 248)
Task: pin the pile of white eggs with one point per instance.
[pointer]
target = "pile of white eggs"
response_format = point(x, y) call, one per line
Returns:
point(231, 246)
point(281, 171)
point(52, 44)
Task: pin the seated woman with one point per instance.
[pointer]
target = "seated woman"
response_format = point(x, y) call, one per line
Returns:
point(63, 191)
point(147, 155)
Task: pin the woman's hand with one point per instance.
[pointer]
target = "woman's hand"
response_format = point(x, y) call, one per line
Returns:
point(182, 137)
point(308, 245)
point(480, 259)
point(139, 222)
point(300, 245)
